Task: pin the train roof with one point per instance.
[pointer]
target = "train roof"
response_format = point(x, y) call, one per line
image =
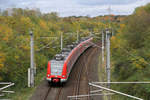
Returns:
point(56, 61)
point(61, 57)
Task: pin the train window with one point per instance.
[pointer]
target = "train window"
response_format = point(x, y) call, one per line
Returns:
point(56, 67)
point(70, 46)
point(59, 57)
point(66, 50)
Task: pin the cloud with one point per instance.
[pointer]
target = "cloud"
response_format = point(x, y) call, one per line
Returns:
point(76, 7)
point(105, 2)
point(9, 3)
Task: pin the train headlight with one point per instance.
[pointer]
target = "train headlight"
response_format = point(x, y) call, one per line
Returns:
point(63, 76)
point(48, 75)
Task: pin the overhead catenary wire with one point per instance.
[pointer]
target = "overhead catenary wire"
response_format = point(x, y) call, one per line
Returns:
point(51, 42)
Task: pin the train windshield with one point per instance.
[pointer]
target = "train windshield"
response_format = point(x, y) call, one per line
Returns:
point(56, 67)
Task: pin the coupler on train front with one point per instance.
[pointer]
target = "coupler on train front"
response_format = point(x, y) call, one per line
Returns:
point(56, 81)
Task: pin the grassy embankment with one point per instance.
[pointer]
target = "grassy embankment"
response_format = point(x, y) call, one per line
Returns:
point(26, 93)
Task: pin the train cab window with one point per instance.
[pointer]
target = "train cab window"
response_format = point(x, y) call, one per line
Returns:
point(56, 67)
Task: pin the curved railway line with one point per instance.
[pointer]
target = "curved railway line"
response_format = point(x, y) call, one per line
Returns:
point(84, 71)
point(82, 81)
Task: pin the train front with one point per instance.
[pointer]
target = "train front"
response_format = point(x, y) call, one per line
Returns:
point(55, 71)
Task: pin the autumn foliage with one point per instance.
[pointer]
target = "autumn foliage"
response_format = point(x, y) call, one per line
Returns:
point(15, 25)
point(131, 54)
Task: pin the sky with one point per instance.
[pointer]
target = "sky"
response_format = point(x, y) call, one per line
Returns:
point(77, 7)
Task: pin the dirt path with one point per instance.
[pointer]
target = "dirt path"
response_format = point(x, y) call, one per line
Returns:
point(85, 70)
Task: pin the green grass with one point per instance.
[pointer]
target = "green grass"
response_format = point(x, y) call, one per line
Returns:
point(102, 74)
point(103, 78)
point(26, 93)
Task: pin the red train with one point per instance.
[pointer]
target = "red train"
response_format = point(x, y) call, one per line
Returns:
point(58, 69)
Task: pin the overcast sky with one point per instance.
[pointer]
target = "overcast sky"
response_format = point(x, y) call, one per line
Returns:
point(77, 7)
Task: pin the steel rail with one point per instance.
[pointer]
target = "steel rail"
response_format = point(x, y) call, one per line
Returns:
point(58, 95)
point(47, 93)
point(87, 71)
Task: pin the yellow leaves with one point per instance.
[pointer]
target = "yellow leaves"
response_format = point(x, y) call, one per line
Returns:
point(27, 48)
point(24, 46)
point(76, 25)
point(99, 24)
point(24, 43)
point(116, 42)
point(2, 60)
point(26, 21)
point(106, 26)
point(5, 32)
point(95, 30)
point(122, 26)
point(138, 66)
point(0, 78)
point(16, 57)
point(43, 24)
point(113, 38)
point(142, 61)
point(138, 62)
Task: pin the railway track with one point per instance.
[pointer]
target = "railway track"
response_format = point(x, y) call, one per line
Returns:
point(77, 83)
point(47, 93)
point(55, 91)
point(59, 91)
point(76, 92)
point(82, 86)
point(87, 74)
